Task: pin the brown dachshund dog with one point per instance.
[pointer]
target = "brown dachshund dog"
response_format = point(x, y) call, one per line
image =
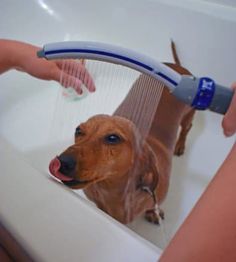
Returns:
point(124, 174)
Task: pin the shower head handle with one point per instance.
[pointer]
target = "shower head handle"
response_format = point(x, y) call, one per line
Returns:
point(200, 93)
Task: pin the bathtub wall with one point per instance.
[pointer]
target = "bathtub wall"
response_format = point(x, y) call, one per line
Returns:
point(223, 2)
point(203, 32)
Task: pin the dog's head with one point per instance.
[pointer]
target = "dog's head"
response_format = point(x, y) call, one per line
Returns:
point(105, 147)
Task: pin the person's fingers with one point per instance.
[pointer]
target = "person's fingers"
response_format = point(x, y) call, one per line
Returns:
point(73, 82)
point(78, 70)
point(67, 80)
point(229, 120)
point(82, 73)
point(88, 81)
point(77, 86)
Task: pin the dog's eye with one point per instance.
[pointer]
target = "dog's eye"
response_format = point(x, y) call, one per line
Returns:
point(78, 131)
point(112, 139)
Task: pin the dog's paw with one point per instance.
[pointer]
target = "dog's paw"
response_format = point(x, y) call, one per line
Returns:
point(154, 216)
point(179, 149)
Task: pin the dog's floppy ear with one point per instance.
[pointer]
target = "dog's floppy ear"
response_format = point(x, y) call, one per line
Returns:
point(148, 174)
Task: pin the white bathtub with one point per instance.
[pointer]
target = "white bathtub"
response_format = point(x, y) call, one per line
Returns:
point(204, 33)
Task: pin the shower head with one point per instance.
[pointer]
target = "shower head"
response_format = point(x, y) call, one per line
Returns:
point(200, 93)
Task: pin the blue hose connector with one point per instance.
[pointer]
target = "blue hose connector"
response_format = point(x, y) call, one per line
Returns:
point(205, 93)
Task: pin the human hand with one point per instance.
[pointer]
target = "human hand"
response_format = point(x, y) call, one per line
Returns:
point(229, 120)
point(28, 62)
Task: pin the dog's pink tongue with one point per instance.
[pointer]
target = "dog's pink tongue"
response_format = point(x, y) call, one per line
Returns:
point(54, 167)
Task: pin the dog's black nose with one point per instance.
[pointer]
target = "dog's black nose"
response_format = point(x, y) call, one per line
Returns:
point(68, 165)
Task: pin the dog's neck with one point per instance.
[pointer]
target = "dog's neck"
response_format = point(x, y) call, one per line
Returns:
point(124, 195)
point(118, 198)
point(167, 120)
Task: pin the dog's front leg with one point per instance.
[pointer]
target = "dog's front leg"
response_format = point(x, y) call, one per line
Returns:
point(154, 215)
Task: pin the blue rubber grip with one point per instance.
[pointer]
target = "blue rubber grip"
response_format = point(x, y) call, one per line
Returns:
point(205, 93)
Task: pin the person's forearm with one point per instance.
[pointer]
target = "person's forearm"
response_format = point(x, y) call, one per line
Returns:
point(23, 57)
point(11, 54)
point(8, 58)
point(209, 232)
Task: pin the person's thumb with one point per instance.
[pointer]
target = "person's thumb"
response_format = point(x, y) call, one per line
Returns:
point(229, 120)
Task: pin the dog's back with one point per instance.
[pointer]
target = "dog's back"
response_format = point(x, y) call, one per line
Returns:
point(169, 111)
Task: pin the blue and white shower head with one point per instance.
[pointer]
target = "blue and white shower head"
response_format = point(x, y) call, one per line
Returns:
point(200, 93)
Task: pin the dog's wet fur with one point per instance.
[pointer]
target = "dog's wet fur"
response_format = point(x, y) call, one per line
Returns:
point(113, 164)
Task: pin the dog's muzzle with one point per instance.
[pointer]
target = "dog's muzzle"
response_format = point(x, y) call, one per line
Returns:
point(63, 167)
